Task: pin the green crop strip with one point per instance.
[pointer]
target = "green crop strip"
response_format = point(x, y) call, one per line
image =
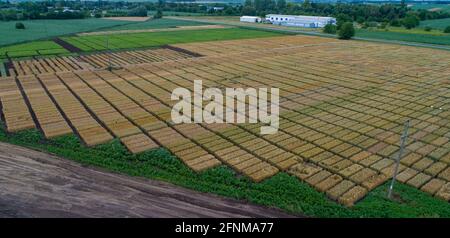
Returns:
point(154, 39)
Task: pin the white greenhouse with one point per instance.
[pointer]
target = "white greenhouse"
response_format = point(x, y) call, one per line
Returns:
point(300, 21)
point(250, 19)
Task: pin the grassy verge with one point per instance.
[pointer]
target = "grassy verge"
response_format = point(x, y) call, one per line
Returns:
point(282, 191)
point(129, 41)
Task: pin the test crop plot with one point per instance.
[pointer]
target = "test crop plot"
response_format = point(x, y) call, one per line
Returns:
point(342, 108)
point(96, 61)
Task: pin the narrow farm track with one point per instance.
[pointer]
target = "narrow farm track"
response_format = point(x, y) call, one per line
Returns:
point(36, 184)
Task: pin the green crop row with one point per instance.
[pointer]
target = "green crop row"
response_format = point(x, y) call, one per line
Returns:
point(32, 49)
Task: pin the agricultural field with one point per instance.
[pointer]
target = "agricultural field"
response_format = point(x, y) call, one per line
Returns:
point(174, 13)
point(342, 109)
point(422, 37)
point(432, 7)
point(122, 39)
point(418, 35)
point(154, 39)
point(35, 48)
point(155, 24)
point(234, 21)
point(440, 24)
point(38, 29)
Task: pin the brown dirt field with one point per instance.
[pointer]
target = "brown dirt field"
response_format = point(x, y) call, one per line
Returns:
point(36, 184)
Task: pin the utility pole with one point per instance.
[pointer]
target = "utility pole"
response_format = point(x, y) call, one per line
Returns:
point(400, 153)
point(109, 55)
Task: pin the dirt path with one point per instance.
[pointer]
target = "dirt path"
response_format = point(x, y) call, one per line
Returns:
point(66, 45)
point(35, 184)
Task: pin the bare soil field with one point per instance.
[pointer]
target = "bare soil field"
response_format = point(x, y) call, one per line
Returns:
point(36, 184)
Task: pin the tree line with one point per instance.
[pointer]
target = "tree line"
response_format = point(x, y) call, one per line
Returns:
point(365, 14)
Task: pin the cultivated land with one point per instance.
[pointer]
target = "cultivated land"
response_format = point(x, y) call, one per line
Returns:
point(405, 36)
point(432, 7)
point(38, 29)
point(343, 105)
point(35, 48)
point(437, 24)
point(103, 26)
point(154, 39)
point(392, 34)
point(156, 24)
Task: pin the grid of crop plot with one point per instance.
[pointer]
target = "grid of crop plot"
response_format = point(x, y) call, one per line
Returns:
point(342, 109)
point(91, 61)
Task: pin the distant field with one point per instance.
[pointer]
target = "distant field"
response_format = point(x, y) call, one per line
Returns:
point(399, 36)
point(156, 24)
point(32, 49)
point(437, 24)
point(418, 30)
point(37, 29)
point(442, 7)
point(171, 13)
point(153, 39)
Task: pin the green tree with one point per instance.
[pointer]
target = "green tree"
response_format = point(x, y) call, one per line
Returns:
point(158, 14)
point(447, 29)
point(403, 4)
point(248, 11)
point(20, 25)
point(138, 12)
point(306, 4)
point(410, 21)
point(281, 5)
point(394, 22)
point(347, 31)
point(330, 29)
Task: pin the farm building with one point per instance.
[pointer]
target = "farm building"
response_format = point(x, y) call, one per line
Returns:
point(250, 19)
point(300, 21)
